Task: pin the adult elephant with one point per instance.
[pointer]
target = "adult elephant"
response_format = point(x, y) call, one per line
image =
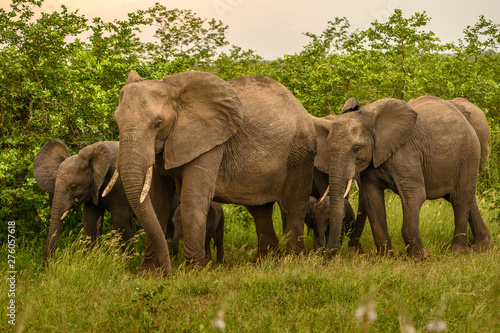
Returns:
point(81, 179)
point(321, 181)
point(247, 141)
point(420, 150)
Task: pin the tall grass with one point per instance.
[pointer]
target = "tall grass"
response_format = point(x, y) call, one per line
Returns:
point(98, 290)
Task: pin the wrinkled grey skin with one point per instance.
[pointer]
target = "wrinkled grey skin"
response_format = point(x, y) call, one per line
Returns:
point(215, 231)
point(472, 113)
point(420, 150)
point(320, 220)
point(247, 141)
point(80, 179)
point(321, 178)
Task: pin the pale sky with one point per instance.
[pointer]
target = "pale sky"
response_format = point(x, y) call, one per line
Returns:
point(274, 27)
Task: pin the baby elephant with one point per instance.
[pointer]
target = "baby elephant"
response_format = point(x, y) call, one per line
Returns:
point(319, 220)
point(81, 179)
point(215, 230)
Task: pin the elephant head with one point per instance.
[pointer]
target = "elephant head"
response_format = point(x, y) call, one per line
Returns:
point(356, 140)
point(72, 179)
point(180, 117)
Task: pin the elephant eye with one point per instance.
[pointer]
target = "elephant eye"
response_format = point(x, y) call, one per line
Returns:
point(158, 124)
point(356, 149)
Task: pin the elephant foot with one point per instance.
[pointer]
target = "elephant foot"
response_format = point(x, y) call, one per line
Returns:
point(356, 245)
point(264, 251)
point(154, 271)
point(328, 254)
point(153, 267)
point(460, 248)
point(417, 254)
point(483, 245)
point(385, 250)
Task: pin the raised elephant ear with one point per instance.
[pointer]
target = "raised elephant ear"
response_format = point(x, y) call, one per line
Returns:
point(98, 156)
point(209, 112)
point(46, 163)
point(322, 159)
point(350, 105)
point(392, 122)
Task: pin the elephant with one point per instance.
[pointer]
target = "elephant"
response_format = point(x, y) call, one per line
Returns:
point(81, 179)
point(424, 149)
point(472, 113)
point(247, 141)
point(215, 231)
point(320, 220)
point(321, 182)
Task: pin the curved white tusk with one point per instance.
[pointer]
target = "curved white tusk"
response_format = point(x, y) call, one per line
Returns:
point(64, 215)
point(356, 184)
point(349, 184)
point(147, 184)
point(324, 195)
point(111, 183)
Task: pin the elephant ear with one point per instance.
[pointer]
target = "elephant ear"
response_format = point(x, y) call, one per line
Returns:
point(209, 112)
point(350, 105)
point(46, 163)
point(392, 122)
point(322, 159)
point(98, 157)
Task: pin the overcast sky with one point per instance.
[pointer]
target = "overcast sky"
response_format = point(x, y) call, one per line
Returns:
point(275, 27)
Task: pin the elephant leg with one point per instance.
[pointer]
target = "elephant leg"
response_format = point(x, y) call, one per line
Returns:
point(267, 238)
point(91, 215)
point(121, 219)
point(482, 237)
point(359, 223)
point(460, 242)
point(197, 191)
point(294, 205)
point(375, 209)
point(208, 251)
point(177, 232)
point(219, 240)
point(412, 201)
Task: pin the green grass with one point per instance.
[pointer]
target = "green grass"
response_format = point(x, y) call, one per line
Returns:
point(99, 291)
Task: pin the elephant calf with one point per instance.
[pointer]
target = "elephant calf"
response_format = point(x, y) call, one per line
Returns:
point(81, 179)
point(215, 230)
point(319, 220)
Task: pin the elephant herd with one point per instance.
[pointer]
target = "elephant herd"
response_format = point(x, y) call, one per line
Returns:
point(192, 141)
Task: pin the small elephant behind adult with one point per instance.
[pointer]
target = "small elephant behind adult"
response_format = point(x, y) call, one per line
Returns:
point(320, 220)
point(215, 231)
point(81, 179)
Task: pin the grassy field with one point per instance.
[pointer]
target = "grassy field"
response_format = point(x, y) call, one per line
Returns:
point(99, 290)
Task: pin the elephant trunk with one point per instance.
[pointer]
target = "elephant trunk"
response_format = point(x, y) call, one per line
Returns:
point(338, 179)
point(60, 207)
point(133, 165)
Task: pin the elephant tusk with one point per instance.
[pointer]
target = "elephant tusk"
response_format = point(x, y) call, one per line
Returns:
point(356, 184)
point(324, 195)
point(147, 184)
point(349, 184)
point(64, 215)
point(111, 183)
